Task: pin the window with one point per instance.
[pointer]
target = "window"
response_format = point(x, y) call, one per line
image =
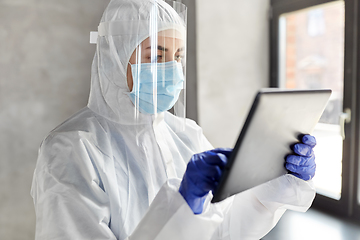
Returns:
point(313, 46)
point(312, 56)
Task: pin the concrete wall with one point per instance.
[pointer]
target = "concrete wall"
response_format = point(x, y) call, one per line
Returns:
point(45, 62)
point(233, 60)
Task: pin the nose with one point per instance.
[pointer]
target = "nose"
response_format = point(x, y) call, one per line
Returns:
point(169, 57)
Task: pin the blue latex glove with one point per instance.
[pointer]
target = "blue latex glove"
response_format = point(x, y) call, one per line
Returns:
point(302, 163)
point(202, 175)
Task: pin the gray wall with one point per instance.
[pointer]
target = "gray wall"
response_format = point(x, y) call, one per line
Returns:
point(191, 61)
point(233, 59)
point(45, 60)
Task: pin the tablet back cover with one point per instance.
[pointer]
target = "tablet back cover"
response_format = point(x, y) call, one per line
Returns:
point(275, 121)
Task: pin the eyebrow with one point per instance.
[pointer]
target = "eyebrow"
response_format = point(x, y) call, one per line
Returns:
point(161, 48)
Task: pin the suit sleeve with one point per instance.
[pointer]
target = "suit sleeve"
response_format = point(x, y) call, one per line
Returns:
point(255, 212)
point(169, 217)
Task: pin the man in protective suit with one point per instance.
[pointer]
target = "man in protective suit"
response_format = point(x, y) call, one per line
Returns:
point(124, 167)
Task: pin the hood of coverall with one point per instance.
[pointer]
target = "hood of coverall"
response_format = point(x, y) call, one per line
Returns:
point(124, 25)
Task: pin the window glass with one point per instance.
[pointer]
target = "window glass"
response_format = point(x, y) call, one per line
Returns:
point(312, 57)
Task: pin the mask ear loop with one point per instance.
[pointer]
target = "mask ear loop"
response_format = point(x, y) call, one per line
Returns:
point(135, 72)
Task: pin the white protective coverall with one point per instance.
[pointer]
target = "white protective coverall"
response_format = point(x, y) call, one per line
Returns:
point(102, 175)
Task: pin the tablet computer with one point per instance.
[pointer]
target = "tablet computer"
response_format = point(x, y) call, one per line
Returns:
point(276, 120)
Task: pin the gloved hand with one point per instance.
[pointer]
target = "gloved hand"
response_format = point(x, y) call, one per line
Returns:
point(202, 175)
point(302, 163)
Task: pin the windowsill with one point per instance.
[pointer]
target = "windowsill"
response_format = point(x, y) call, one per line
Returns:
point(314, 225)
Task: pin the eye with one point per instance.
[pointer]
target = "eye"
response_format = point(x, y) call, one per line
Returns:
point(159, 58)
point(179, 57)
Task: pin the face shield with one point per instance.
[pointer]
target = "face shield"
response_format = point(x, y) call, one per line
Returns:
point(148, 42)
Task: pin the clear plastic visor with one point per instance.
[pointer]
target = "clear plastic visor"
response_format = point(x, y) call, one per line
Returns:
point(156, 71)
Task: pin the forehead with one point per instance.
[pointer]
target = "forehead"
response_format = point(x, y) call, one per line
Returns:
point(167, 38)
point(164, 42)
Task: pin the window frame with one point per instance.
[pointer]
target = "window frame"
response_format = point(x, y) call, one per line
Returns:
point(348, 204)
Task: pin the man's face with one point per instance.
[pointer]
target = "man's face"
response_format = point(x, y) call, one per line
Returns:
point(167, 49)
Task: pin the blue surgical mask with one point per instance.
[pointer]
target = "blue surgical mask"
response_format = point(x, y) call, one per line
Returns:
point(169, 79)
